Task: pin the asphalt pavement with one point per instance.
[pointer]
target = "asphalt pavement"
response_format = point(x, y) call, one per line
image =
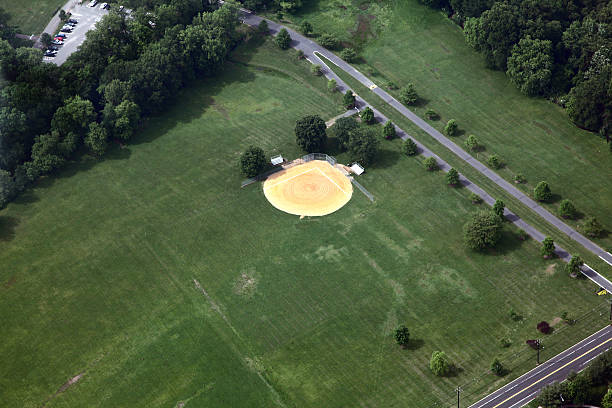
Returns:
point(525, 388)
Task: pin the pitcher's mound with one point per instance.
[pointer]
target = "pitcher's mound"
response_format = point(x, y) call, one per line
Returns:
point(311, 189)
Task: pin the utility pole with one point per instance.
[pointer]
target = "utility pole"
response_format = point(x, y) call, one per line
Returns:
point(538, 347)
point(458, 389)
point(610, 301)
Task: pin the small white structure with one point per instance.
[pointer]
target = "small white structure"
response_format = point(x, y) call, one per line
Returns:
point(357, 169)
point(276, 160)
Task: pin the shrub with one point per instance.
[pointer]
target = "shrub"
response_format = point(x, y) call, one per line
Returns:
point(522, 235)
point(497, 368)
point(431, 114)
point(505, 342)
point(452, 177)
point(408, 95)
point(348, 100)
point(534, 344)
point(402, 336)
point(494, 161)
point(363, 145)
point(439, 364)
point(316, 70)
point(310, 133)
point(389, 130)
point(544, 327)
point(299, 54)
point(548, 247)
point(476, 199)
point(498, 209)
point(472, 143)
point(391, 85)
point(515, 316)
point(542, 192)
point(567, 209)
point(305, 28)
point(329, 41)
point(253, 161)
point(332, 86)
point(263, 28)
point(348, 54)
point(342, 129)
point(482, 231)
point(592, 227)
point(409, 148)
point(96, 139)
point(519, 179)
point(283, 39)
point(573, 266)
point(46, 39)
point(367, 115)
point(279, 15)
point(430, 164)
point(451, 128)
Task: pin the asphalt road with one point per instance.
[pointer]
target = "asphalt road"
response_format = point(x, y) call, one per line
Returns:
point(312, 51)
point(522, 390)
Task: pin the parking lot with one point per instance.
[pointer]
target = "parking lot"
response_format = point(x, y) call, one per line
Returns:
point(87, 18)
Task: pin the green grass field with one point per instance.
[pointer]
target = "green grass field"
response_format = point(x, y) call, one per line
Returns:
point(31, 16)
point(157, 278)
point(411, 43)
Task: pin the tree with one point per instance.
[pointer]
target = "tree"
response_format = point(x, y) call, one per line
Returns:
point(252, 161)
point(573, 266)
point(592, 227)
point(494, 161)
point(452, 177)
point(530, 66)
point(430, 164)
point(348, 100)
point(431, 114)
point(497, 368)
point(283, 39)
point(46, 155)
point(306, 28)
point(567, 209)
point(263, 27)
point(299, 54)
point(409, 148)
point(97, 139)
point(348, 54)
point(548, 248)
point(451, 128)
point(472, 143)
point(332, 86)
point(363, 145)
point(127, 116)
point(328, 41)
point(367, 115)
point(542, 192)
point(310, 133)
point(408, 95)
point(63, 16)
point(316, 70)
point(46, 39)
point(498, 209)
point(389, 130)
point(402, 336)
point(74, 116)
point(482, 231)
point(606, 402)
point(439, 364)
point(342, 129)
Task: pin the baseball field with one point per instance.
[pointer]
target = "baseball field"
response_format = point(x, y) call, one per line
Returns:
point(152, 279)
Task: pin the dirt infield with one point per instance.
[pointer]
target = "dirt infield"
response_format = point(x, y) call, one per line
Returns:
point(312, 189)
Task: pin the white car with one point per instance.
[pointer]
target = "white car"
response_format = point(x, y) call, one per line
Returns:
point(93, 3)
point(103, 6)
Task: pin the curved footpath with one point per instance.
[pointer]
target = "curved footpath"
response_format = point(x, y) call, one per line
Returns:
point(312, 51)
point(522, 390)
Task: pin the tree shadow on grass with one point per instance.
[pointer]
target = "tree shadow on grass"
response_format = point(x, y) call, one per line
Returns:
point(27, 197)
point(385, 158)
point(554, 198)
point(7, 228)
point(508, 243)
point(332, 147)
point(415, 344)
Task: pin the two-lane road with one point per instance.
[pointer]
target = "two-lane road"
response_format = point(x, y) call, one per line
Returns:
point(522, 390)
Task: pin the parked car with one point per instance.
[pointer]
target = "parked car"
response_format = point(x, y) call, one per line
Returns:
point(60, 35)
point(57, 42)
point(66, 30)
point(104, 6)
point(59, 38)
point(121, 8)
point(50, 53)
point(73, 21)
point(53, 48)
point(93, 3)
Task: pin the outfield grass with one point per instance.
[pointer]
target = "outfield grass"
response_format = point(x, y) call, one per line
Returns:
point(100, 264)
point(533, 136)
point(31, 16)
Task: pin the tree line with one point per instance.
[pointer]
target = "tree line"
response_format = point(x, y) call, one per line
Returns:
point(552, 48)
point(128, 68)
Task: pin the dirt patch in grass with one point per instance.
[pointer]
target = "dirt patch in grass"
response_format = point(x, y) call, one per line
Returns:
point(543, 127)
point(63, 388)
point(246, 284)
point(219, 108)
point(364, 29)
point(550, 269)
point(555, 321)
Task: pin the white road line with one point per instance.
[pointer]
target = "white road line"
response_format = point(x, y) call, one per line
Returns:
point(529, 397)
point(326, 176)
point(605, 260)
point(290, 178)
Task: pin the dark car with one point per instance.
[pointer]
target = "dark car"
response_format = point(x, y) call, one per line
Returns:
point(60, 35)
point(49, 53)
point(53, 48)
point(73, 21)
point(66, 30)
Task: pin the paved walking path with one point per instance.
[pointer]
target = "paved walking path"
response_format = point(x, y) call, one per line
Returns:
point(312, 51)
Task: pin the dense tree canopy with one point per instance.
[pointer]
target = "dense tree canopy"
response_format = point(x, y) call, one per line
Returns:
point(483, 230)
point(363, 145)
point(530, 66)
point(310, 133)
